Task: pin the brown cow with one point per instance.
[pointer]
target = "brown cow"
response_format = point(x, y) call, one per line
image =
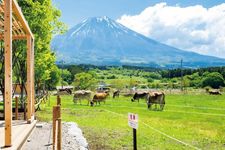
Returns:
point(156, 98)
point(99, 97)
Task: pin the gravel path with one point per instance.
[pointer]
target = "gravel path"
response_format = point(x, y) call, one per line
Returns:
point(41, 137)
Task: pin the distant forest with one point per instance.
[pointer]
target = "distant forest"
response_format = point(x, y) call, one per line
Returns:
point(165, 73)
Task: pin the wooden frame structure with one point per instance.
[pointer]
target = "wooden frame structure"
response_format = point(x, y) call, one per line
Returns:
point(13, 26)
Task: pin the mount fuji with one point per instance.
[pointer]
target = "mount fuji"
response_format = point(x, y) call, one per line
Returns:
point(103, 41)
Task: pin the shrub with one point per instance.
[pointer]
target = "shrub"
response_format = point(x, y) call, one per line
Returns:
point(150, 80)
point(214, 79)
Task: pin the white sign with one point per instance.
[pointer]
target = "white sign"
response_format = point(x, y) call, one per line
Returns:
point(133, 120)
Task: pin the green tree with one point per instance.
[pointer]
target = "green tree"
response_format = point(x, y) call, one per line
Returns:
point(55, 77)
point(186, 81)
point(214, 80)
point(43, 19)
point(84, 80)
point(195, 80)
point(66, 76)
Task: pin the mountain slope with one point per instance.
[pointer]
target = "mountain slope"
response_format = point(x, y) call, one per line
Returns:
point(102, 41)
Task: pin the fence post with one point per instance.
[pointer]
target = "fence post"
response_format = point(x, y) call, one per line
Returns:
point(57, 126)
point(58, 100)
point(16, 109)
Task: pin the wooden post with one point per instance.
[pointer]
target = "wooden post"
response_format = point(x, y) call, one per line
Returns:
point(56, 127)
point(8, 71)
point(29, 79)
point(58, 100)
point(33, 78)
point(16, 110)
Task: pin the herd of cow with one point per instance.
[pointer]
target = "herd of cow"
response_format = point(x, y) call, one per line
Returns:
point(157, 98)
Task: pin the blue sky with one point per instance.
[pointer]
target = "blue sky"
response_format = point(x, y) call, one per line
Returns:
point(193, 25)
point(74, 11)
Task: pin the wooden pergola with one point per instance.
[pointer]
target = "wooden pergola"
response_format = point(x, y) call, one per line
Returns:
point(13, 26)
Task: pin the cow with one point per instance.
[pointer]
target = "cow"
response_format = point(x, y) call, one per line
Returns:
point(214, 92)
point(116, 93)
point(99, 97)
point(82, 94)
point(139, 95)
point(156, 98)
point(65, 91)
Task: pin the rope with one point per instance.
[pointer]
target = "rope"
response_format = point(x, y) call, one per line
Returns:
point(199, 113)
point(210, 114)
point(212, 108)
point(173, 138)
point(160, 132)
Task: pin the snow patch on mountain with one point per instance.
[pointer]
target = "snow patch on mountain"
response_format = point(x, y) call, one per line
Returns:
point(103, 41)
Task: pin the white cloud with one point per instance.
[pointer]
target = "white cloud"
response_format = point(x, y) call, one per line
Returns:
point(193, 28)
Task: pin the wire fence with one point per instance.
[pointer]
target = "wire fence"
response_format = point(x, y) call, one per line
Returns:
point(158, 131)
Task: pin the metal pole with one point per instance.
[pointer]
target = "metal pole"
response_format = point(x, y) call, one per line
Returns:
point(135, 139)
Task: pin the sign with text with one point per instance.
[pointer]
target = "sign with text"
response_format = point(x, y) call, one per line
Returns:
point(133, 120)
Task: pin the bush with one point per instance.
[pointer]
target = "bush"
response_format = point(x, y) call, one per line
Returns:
point(101, 77)
point(214, 80)
point(150, 80)
point(111, 77)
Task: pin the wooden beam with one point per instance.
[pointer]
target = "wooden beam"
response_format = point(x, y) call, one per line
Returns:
point(29, 79)
point(33, 77)
point(21, 18)
point(18, 37)
point(17, 27)
point(8, 71)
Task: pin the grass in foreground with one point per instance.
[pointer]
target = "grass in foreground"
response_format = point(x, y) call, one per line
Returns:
point(198, 120)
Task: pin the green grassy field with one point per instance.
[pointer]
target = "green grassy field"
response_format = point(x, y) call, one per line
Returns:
point(196, 120)
point(1, 104)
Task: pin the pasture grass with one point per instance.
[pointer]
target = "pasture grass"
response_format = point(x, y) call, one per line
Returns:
point(198, 120)
point(1, 106)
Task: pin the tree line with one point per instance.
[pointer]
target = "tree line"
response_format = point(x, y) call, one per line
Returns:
point(80, 75)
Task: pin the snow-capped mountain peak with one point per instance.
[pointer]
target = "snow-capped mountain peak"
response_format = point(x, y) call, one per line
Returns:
point(103, 41)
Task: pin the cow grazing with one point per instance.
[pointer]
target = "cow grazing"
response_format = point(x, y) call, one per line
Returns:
point(138, 96)
point(214, 92)
point(156, 98)
point(99, 97)
point(81, 95)
point(65, 91)
point(116, 93)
